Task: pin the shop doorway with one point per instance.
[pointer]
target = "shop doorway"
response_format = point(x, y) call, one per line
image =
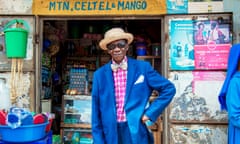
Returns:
point(68, 43)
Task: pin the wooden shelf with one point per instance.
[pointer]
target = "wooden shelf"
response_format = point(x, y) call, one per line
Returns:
point(71, 116)
point(77, 97)
point(70, 113)
point(84, 126)
point(82, 58)
point(148, 57)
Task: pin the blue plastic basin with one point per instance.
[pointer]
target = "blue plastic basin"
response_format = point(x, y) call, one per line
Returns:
point(25, 133)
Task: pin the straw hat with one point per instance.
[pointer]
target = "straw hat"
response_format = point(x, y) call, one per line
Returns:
point(113, 35)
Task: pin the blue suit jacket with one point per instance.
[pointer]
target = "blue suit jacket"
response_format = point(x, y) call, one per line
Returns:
point(141, 80)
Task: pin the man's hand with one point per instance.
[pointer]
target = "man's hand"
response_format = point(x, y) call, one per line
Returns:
point(144, 118)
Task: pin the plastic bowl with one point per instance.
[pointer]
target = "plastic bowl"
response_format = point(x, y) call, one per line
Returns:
point(26, 133)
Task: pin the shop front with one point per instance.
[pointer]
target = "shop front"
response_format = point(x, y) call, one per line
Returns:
point(63, 45)
point(69, 33)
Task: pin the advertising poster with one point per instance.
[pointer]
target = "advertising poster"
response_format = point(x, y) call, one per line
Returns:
point(198, 134)
point(199, 44)
point(211, 44)
point(181, 49)
point(196, 98)
point(177, 6)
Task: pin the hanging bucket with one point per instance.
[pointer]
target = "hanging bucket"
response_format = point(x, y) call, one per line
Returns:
point(16, 39)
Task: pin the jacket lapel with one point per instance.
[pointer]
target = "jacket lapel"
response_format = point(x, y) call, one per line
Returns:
point(130, 77)
point(109, 84)
point(109, 76)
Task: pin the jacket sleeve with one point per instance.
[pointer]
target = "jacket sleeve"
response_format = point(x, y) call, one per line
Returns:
point(166, 90)
point(97, 128)
point(233, 102)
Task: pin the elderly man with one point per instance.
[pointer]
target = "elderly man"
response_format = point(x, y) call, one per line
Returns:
point(121, 92)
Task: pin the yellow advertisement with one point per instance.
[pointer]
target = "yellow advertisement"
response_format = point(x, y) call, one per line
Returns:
point(99, 7)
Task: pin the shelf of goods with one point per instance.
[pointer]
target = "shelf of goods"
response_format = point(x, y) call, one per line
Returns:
point(76, 119)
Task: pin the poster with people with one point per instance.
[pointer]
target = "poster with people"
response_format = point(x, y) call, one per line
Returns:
point(212, 42)
point(199, 44)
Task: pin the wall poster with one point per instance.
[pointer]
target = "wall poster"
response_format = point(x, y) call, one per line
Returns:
point(196, 98)
point(211, 44)
point(199, 44)
point(177, 6)
point(181, 40)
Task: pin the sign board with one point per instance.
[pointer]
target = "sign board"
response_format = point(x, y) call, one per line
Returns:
point(98, 7)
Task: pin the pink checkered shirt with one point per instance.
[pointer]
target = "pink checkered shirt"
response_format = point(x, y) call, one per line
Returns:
point(120, 78)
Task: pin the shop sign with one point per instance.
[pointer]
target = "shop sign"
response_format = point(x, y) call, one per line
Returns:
point(99, 7)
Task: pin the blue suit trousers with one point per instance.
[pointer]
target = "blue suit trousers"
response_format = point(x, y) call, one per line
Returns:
point(124, 136)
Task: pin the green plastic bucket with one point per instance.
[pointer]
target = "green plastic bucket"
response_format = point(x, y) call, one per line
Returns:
point(16, 39)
